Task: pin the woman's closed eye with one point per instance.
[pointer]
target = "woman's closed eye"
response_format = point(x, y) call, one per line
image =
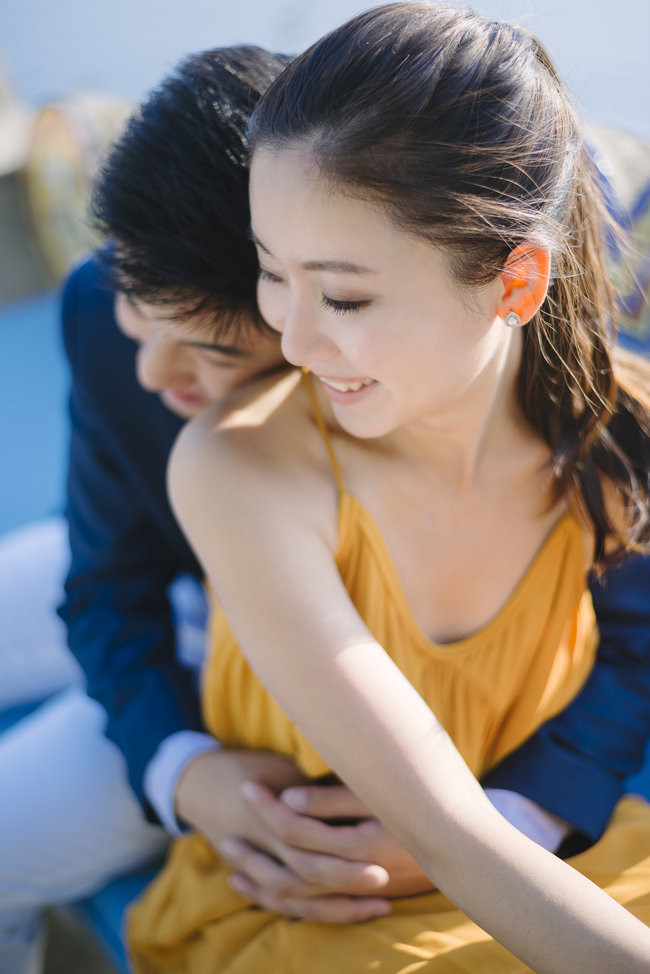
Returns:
point(342, 307)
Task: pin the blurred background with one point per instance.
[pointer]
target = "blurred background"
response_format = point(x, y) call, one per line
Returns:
point(71, 70)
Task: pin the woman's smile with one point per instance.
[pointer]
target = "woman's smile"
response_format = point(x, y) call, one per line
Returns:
point(345, 390)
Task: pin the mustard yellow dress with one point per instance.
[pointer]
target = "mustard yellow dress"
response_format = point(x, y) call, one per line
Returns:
point(490, 691)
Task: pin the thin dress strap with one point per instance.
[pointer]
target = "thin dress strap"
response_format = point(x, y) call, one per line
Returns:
point(318, 416)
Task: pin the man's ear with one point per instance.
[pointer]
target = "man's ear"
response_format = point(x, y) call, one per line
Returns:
point(524, 281)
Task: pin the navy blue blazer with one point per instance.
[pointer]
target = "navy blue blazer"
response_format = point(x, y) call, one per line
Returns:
point(126, 549)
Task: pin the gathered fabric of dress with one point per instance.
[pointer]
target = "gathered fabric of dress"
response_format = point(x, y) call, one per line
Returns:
point(490, 691)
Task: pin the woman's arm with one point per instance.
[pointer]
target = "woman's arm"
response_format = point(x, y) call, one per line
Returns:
point(314, 654)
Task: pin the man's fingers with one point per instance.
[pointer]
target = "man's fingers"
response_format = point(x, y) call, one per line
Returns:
point(261, 870)
point(338, 875)
point(342, 842)
point(348, 860)
point(318, 909)
point(258, 870)
point(325, 802)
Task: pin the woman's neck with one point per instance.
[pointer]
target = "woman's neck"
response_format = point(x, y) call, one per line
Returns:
point(461, 442)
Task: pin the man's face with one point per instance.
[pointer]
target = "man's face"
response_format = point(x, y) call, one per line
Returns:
point(179, 359)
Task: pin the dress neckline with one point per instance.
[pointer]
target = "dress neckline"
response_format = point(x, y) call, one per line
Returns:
point(565, 530)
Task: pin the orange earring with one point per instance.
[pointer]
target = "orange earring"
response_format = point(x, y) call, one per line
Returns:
point(513, 320)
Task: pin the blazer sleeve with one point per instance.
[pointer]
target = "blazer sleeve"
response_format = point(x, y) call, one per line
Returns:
point(116, 608)
point(576, 764)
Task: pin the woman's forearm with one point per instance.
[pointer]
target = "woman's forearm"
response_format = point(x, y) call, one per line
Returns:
point(402, 763)
point(544, 911)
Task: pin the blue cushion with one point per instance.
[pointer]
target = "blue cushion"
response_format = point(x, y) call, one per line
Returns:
point(105, 912)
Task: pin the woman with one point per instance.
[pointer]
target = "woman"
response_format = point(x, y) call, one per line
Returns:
point(422, 504)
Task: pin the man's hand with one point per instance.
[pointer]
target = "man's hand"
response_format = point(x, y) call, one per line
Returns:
point(208, 792)
point(365, 839)
point(285, 858)
point(318, 869)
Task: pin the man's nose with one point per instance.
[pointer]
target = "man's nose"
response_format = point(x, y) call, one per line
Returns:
point(159, 362)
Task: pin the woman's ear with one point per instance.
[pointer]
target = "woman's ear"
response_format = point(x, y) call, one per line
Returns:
point(524, 281)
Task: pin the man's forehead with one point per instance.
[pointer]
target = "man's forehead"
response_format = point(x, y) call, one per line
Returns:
point(194, 328)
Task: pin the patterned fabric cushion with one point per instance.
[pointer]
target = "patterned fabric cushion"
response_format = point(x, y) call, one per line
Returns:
point(623, 162)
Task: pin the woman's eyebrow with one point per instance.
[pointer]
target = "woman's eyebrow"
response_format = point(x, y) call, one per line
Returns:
point(340, 266)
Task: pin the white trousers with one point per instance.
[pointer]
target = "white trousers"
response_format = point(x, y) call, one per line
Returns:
point(69, 821)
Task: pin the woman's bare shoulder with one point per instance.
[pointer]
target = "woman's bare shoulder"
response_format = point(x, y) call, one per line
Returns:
point(231, 435)
point(248, 459)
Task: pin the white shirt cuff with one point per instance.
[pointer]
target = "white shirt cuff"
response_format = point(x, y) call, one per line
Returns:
point(541, 826)
point(165, 768)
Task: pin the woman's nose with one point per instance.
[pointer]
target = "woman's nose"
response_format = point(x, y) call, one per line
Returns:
point(303, 340)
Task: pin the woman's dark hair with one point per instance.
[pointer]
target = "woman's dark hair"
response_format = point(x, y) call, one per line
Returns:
point(172, 195)
point(461, 129)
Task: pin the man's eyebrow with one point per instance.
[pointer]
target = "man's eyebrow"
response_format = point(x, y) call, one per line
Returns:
point(232, 350)
point(340, 266)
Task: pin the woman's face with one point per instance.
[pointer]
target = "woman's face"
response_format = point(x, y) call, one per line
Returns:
point(372, 311)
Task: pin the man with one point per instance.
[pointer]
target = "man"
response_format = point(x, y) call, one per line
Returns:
point(161, 324)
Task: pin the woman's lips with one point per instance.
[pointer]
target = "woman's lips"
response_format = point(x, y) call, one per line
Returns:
point(346, 390)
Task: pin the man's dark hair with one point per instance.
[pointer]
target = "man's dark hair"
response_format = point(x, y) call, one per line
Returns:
point(172, 195)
